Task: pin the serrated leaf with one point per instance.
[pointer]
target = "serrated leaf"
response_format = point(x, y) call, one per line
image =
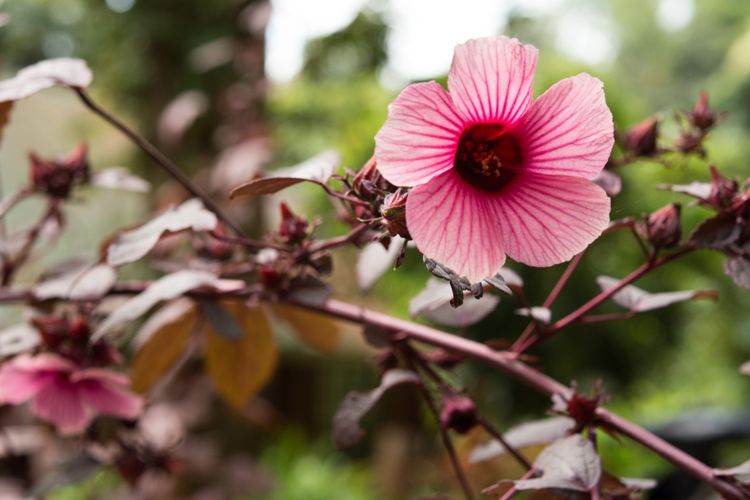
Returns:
point(317, 169)
point(316, 330)
point(717, 232)
point(346, 429)
point(161, 341)
point(374, 260)
point(737, 267)
point(569, 464)
point(17, 339)
point(695, 189)
point(525, 434)
point(133, 244)
point(120, 178)
point(64, 71)
point(240, 368)
point(434, 303)
point(165, 288)
point(637, 300)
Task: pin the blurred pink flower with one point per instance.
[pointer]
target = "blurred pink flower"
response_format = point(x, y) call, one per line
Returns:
point(494, 173)
point(65, 394)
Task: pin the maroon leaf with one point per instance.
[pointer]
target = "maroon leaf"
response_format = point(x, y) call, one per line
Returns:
point(569, 464)
point(525, 434)
point(695, 189)
point(346, 429)
point(738, 268)
point(434, 303)
point(374, 260)
point(637, 300)
point(45, 74)
point(717, 232)
point(166, 288)
point(131, 245)
point(317, 169)
point(120, 178)
point(609, 182)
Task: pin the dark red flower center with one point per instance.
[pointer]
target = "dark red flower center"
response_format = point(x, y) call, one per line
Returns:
point(487, 156)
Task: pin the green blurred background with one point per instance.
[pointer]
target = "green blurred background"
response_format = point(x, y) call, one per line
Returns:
point(654, 57)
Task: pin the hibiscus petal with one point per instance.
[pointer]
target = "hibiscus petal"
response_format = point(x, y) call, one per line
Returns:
point(455, 224)
point(418, 139)
point(490, 79)
point(545, 220)
point(60, 402)
point(18, 385)
point(568, 130)
point(110, 399)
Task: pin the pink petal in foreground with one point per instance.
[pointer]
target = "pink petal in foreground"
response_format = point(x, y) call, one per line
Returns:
point(418, 139)
point(545, 220)
point(110, 399)
point(60, 402)
point(455, 224)
point(568, 130)
point(490, 79)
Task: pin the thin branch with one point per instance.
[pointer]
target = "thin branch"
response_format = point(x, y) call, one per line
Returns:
point(509, 364)
point(160, 159)
point(515, 453)
point(340, 240)
point(447, 443)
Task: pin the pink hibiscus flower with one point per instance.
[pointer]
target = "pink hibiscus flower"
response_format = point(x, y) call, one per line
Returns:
point(494, 173)
point(65, 394)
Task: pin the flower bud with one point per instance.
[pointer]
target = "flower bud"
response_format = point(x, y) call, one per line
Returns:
point(664, 229)
point(582, 409)
point(702, 116)
point(640, 139)
point(459, 413)
point(690, 141)
point(394, 213)
point(368, 182)
point(292, 229)
point(57, 178)
point(723, 189)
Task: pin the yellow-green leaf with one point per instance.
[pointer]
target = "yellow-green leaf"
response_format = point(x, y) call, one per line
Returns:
point(240, 368)
point(316, 330)
point(165, 336)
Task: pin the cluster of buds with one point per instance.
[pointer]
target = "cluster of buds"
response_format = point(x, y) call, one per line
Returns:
point(58, 177)
point(662, 228)
point(70, 338)
point(385, 202)
point(293, 229)
point(699, 122)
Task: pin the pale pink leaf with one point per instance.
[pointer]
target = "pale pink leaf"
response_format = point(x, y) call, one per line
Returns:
point(166, 288)
point(64, 71)
point(374, 260)
point(569, 464)
point(131, 245)
point(120, 178)
point(433, 303)
point(635, 299)
point(317, 170)
point(525, 434)
point(179, 115)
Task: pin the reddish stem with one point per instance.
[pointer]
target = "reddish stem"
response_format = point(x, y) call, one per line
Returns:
point(509, 364)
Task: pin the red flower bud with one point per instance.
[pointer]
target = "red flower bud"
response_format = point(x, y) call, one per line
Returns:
point(664, 229)
point(459, 413)
point(640, 139)
point(292, 229)
point(394, 213)
point(702, 116)
point(723, 189)
point(690, 141)
point(57, 178)
point(582, 409)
